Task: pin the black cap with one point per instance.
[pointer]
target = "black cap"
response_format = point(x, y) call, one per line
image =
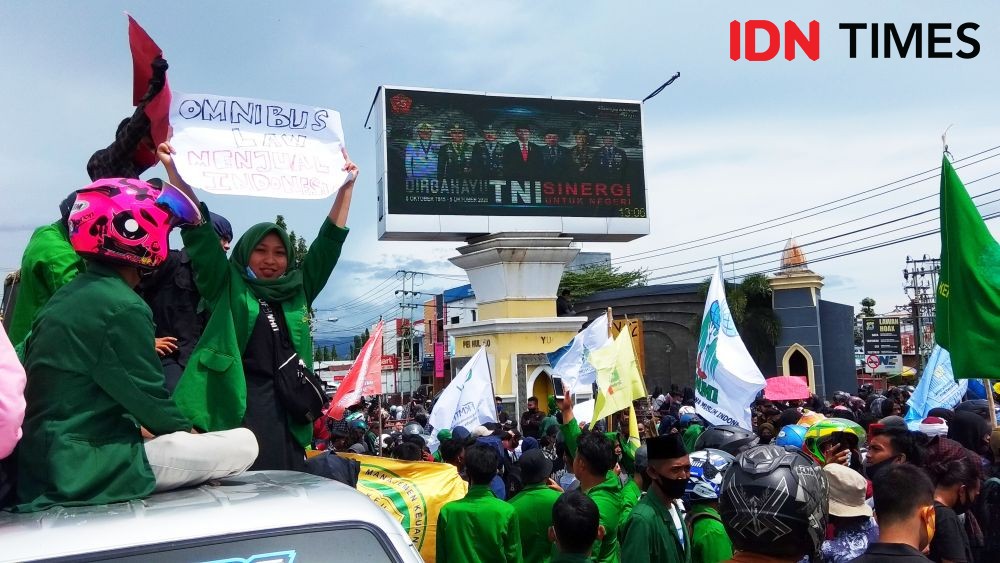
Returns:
point(535, 467)
point(668, 446)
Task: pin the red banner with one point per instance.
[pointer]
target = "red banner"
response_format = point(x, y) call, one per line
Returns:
point(364, 379)
point(390, 361)
point(439, 360)
point(144, 52)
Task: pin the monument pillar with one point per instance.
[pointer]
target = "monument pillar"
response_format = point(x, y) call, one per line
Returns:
point(515, 277)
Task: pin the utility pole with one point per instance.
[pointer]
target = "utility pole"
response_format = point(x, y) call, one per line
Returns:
point(920, 284)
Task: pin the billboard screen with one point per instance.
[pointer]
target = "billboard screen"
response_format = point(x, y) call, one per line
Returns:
point(487, 155)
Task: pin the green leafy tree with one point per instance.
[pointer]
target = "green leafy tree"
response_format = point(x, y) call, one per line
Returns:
point(598, 277)
point(333, 354)
point(754, 316)
point(867, 310)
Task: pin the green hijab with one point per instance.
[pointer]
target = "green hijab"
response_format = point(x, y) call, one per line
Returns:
point(276, 290)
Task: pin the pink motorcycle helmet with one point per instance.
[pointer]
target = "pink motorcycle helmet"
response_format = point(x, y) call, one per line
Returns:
point(118, 220)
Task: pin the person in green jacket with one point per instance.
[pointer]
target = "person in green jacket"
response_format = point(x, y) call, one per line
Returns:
point(593, 461)
point(259, 302)
point(576, 525)
point(635, 487)
point(93, 377)
point(48, 263)
point(533, 506)
point(655, 531)
point(709, 541)
point(479, 528)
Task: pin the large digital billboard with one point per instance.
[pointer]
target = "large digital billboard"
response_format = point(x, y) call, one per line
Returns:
point(449, 158)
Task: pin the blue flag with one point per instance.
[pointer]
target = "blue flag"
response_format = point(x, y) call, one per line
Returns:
point(937, 388)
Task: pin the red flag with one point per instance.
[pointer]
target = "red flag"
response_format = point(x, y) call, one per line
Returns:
point(144, 51)
point(364, 378)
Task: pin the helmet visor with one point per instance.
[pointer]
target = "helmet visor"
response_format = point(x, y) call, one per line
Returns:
point(182, 209)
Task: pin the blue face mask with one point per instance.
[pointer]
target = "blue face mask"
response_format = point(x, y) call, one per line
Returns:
point(250, 273)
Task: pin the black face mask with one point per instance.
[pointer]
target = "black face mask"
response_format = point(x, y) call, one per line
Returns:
point(873, 469)
point(672, 488)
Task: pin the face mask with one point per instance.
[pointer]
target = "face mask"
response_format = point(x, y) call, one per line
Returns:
point(873, 469)
point(672, 488)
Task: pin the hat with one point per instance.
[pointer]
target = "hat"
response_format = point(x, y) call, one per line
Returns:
point(456, 127)
point(893, 421)
point(847, 491)
point(535, 467)
point(222, 226)
point(934, 426)
point(444, 434)
point(424, 125)
point(669, 446)
point(481, 431)
point(529, 444)
point(462, 434)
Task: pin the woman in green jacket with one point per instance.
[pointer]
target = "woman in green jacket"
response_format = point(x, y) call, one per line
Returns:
point(259, 315)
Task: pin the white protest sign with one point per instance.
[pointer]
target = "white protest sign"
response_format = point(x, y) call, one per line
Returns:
point(229, 145)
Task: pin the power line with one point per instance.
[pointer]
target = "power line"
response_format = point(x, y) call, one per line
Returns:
point(844, 253)
point(833, 237)
point(657, 251)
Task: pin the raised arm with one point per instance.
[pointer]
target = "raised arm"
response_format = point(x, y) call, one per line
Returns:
point(211, 267)
point(325, 250)
point(342, 203)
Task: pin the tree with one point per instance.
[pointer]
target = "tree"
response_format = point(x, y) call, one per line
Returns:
point(598, 277)
point(333, 353)
point(751, 306)
point(299, 244)
point(867, 307)
point(867, 310)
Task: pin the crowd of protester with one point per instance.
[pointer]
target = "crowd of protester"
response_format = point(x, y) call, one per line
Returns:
point(131, 368)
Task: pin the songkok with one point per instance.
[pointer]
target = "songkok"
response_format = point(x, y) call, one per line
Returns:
point(934, 426)
point(669, 446)
point(535, 467)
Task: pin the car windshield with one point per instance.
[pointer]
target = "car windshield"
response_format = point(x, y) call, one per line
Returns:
point(356, 544)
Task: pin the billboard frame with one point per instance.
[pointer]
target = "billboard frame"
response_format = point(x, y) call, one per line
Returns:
point(421, 227)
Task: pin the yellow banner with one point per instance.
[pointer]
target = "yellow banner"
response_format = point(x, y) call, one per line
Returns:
point(413, 492)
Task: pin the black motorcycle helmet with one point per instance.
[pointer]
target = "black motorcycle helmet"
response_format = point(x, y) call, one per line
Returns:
point(413, 428)
point(774, 502)
point(730, 439)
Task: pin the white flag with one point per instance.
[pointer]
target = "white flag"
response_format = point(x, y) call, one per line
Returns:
point(570, 363)
point(468, 400)
point(726, 379)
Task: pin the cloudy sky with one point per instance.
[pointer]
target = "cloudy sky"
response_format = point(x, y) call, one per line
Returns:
point(730, 144)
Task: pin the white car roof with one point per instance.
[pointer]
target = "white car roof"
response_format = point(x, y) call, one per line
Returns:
point(254, 501)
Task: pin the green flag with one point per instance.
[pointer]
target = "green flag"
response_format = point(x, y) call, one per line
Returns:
point(968, 294)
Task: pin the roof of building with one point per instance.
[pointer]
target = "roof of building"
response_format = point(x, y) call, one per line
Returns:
point(458, 293)
point(792, 257)
point(643, 291)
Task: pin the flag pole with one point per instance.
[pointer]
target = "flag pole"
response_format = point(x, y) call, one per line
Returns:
point(493, 388)
point(991, 402)
point(642, 373)
point(610, 421)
